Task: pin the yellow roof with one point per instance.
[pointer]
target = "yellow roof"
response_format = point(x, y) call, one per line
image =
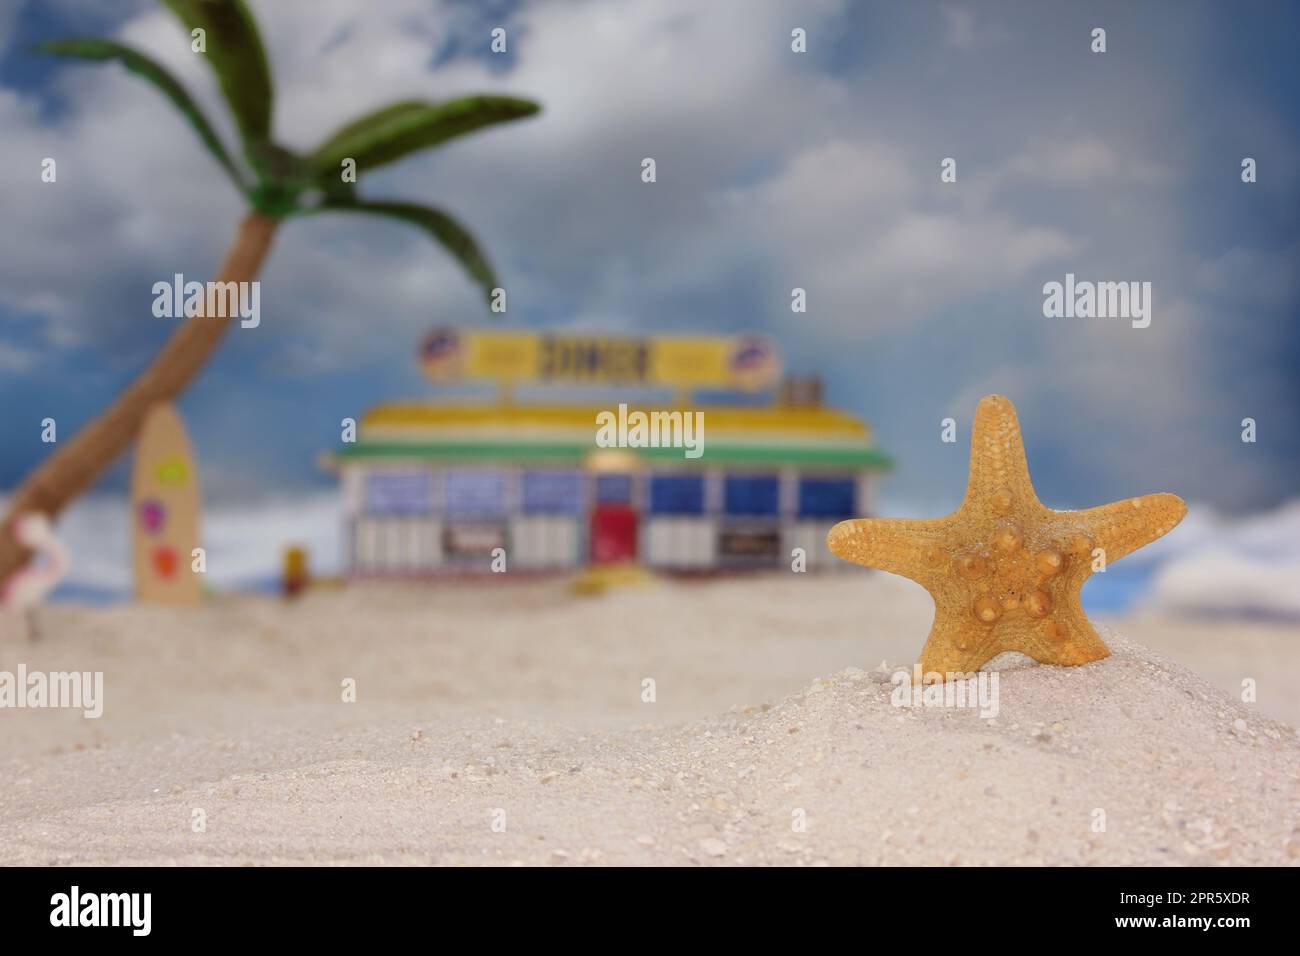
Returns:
point(809, 422)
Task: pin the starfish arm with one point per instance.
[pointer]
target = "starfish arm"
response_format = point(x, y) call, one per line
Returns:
point(1122, 527)
point(997, 455)
point(912, 548)
point(957, 643)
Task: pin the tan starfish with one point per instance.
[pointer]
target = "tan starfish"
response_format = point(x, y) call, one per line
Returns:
point(1004, 569)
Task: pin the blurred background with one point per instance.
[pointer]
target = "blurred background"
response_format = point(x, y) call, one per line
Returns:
point(776, 170)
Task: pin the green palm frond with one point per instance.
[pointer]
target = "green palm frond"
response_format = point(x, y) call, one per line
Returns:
point(235, 52)
point(396, 131)
point(285, 183)
point(141, 65)
point(454, 237)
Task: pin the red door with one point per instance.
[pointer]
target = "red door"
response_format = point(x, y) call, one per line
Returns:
point(613, 534)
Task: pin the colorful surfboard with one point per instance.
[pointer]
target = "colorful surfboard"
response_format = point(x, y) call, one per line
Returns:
point(165, 511)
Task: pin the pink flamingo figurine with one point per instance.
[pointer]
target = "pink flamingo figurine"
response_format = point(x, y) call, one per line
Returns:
point(29, 585)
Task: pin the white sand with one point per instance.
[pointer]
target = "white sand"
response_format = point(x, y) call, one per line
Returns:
point(528, 700)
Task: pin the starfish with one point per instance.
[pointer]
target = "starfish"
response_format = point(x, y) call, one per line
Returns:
point(1005, 570)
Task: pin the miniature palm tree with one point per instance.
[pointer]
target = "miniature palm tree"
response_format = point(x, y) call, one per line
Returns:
point(277, 184)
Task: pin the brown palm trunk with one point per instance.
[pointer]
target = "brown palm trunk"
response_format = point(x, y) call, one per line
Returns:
point(75, 466)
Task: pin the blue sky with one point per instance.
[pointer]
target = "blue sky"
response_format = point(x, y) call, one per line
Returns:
point(775, 170)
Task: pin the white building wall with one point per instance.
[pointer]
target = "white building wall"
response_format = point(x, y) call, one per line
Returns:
point(352, 488)
point(714, 492)
point(682, 543)
point(811, 536)
point(788, 490)
point(413, 544)
point(865, 505)
point(391, 544)
point(544, 541)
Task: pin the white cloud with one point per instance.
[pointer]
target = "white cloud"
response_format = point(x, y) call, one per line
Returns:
point(1072, 157)
point(14, 358)
point(850, 207)
point(964, 31)
point(1251, 278)
point(1244, 566)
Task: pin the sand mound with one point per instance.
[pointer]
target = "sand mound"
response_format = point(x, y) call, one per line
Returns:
point(833, 774)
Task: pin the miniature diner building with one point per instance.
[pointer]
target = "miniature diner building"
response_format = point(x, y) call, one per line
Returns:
point(437, 487)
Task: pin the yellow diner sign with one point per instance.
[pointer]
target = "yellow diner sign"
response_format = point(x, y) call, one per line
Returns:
point(747, 362)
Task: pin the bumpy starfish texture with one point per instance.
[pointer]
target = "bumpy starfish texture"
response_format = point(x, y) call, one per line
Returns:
point(1005, 570)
